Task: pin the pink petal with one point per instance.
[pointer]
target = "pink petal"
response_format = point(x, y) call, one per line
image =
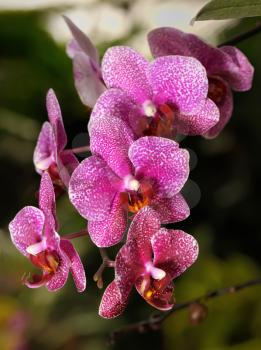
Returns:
point(76, 265)
point(56, 120)
point(60, 277)
point(124, 68)
point(172, 209)
point(47, 198)
point(161, 161)
point(109, 231)
point(27, 228)
point(181, 81)
point(110, 138)
point(111, 304)
point(67, 163)
point(200, 123)
point(174, 251)
point(92, 188)
point(45, 152)
point(225, 110)
point(82, 40)
point(87, 79)
point(240, 75)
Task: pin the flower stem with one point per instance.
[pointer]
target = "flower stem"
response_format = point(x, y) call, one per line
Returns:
point(78, 150)
point(76, 234)
point(106, 262)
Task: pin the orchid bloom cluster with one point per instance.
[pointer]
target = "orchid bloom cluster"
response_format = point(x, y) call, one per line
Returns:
point(137, 170)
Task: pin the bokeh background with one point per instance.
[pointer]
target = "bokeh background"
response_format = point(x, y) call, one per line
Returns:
point(224, 190)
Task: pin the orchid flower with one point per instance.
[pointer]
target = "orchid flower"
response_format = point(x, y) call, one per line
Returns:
point(49, 153)
point(34, 233)
point(227, 67)
point(160, 98)
point(124, 176)
point(86, 67)
point(149, 260)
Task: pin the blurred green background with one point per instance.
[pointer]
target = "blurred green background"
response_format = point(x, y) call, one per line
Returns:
point(226, 221)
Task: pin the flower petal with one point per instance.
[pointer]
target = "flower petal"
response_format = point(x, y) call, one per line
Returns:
point(82, 40)
point(162, 161)
point(200, 123)
point(56, 120)
point(124, 68)
point(225, 109)
point(66, 163)
point(172, 209)
point(27, 228)
point(240, 76)
point(179, 80)
point(92, 188)
point(174, 251)
point(110, 138)
point(109, 231)
point(60, 277)
point(76, 265)
point(45, 152)
point(112, 304)
point(87, 79)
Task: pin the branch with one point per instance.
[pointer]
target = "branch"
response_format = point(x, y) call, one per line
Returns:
point(155, 321)
point(242, 36)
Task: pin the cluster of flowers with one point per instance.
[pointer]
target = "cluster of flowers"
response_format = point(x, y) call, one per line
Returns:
point(136, 170)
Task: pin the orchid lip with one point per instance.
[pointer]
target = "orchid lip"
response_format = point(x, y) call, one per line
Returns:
point(155, 272)
point(36, 248)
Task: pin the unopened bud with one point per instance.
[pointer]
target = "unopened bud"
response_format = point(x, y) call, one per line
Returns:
point(197, 313)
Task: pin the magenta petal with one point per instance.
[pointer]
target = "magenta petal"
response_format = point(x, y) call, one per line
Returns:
point(92, 188)
point(110, 138)
point(82, 40)
point(172, 209)
point(240, 75)
point(225, 110)
point(200, 123)
point(109, 231)
point(60, 277)
point(45, 152)
point(112, 304)
point(56, 120)
point(27, 228)
point(162, 161)
point(76, 265)
point(124, 68)
point(67, 162)
point(179, 80)
point(87, 79)
point(174, 251)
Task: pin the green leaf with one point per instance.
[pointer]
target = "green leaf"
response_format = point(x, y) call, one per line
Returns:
point(224, 9)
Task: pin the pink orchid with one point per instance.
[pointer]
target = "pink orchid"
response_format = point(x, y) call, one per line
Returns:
point(150, 259)
point(160, 98)
point(34, 233)
point(86, 67)
point(49, 153)
point(124, 176)
point(227, 67)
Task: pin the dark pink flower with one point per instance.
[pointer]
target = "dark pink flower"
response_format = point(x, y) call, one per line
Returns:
point(124, 176)
point(34, 233)
point(227, 67)
point(160, 98)
point(49, 153)
point(151, 258)
point(86, 67)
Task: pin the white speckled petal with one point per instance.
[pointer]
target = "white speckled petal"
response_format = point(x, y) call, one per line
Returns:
point(67, 162)
point(92, 188)
point(124, 68)
point(60, 277)
point(174, 251)
point(178, 80)
point(162, 161)
point(112, 304)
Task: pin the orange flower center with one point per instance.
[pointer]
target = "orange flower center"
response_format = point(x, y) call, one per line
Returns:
point(46, 260)
point(136, 200)
point(216, 90)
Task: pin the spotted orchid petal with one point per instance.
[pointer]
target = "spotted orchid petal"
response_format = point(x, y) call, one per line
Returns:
point(76, 265)
point(67, 162)
point(92, 188)
point(47, 200)
point(45, 152)
point(124, 68)
point(174, 251)
point(162, 161)
point(59, 278)
point(26, 228)
point(180, 81)
point(109, 231)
